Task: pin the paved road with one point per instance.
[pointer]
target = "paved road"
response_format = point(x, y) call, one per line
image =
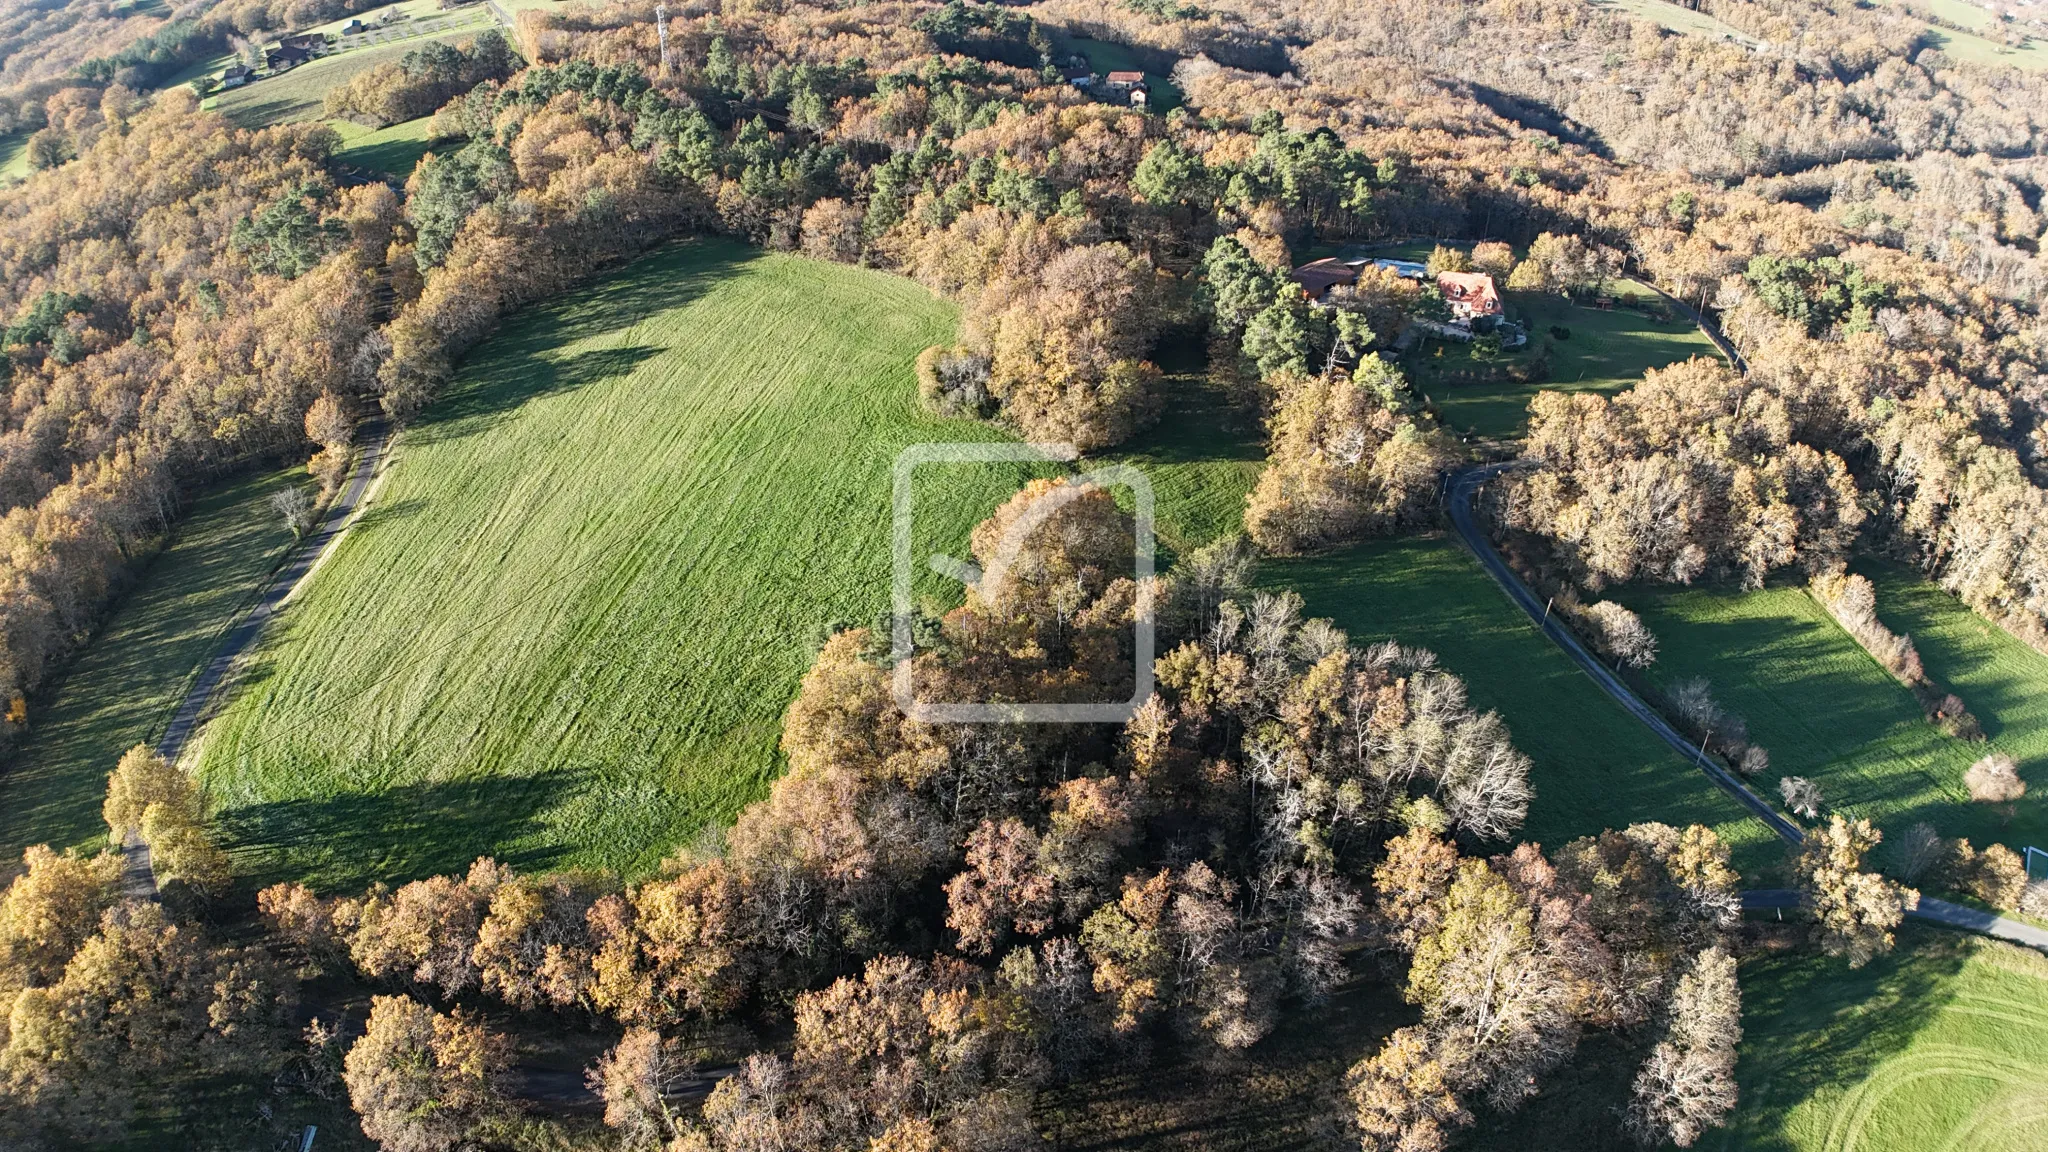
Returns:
point(136, 877)
point(1463, 487)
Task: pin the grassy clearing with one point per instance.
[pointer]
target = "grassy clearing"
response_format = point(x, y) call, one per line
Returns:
point(124, 685)
point(1595, 767)
point(14, 156)
point(1202, 458)
point(1978, 45)
point(299, 94)
point(1827, 711)
point(1105, 57)
point(1678, 18)
point(1937, 1046)
point(620, 536)
point(1607, 352)
point(396, 149)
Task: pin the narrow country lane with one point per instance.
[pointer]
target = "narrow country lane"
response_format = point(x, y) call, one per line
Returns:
point(136, 877)
point(1463, 486)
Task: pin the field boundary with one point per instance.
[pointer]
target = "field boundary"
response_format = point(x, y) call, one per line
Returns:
point(1459, 500)
point(138, 878)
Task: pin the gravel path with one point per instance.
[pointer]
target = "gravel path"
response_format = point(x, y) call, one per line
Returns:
point(137, 879)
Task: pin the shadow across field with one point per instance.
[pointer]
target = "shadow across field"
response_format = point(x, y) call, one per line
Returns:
point(523, 364)
point(1595, 766)
point(343, 842)
point(1813, 1025)
point(502, 391)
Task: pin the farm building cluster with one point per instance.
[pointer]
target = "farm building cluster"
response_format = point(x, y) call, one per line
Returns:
point(1122, 86)
point(1472, 299)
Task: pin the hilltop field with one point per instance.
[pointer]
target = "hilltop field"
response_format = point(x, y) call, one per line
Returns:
point(568, 625)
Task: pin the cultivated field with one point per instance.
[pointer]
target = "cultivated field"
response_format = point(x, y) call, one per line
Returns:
point(1938, 1046)
point(396, 149)
point(122, 688)
point(1827, 711)
point(566, 630)
point(1595, 767)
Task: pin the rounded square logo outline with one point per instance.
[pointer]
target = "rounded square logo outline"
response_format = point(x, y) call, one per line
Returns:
point(901, 643)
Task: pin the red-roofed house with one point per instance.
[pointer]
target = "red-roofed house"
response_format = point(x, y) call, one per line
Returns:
point(1471, 295)
point(1123, 79)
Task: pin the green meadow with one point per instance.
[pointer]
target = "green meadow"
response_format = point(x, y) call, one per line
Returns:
point(1827, 711)
point(395, 149)
point(1939, 1046)
point(566, 629)
point(123, 687)
point(1606, 350)
point(1595, 767)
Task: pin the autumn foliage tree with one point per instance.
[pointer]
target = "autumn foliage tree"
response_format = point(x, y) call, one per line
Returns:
point(1855, 911)
point(423, 1081)
point(1349, 457)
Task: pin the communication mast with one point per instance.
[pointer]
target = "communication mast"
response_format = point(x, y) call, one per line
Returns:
point(661, 29)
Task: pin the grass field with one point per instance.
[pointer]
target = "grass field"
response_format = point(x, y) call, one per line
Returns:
point(124, 684)
point(298, 94)
point(1595, 767)
point(14, 156)
point(1678, 18)
point(566, 630)
point(1608, 351)
point(1827, 711)
point(396, 149)
point(1202, 458)
point(1939, 1046)
point(1105, 57)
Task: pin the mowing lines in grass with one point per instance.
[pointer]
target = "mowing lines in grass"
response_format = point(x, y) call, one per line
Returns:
point(566, 631)
point(1939, 1046)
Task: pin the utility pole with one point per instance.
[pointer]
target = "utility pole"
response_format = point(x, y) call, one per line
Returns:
point(661, 29)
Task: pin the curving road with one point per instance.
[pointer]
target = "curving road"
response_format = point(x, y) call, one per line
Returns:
point(137, 879)
point(1463, 486)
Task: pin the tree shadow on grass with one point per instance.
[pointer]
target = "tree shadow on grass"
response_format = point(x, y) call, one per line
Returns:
point(502, 390)
point(384, 512)
point(521, 362)
point(1812, 1023)
point(342, 843)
